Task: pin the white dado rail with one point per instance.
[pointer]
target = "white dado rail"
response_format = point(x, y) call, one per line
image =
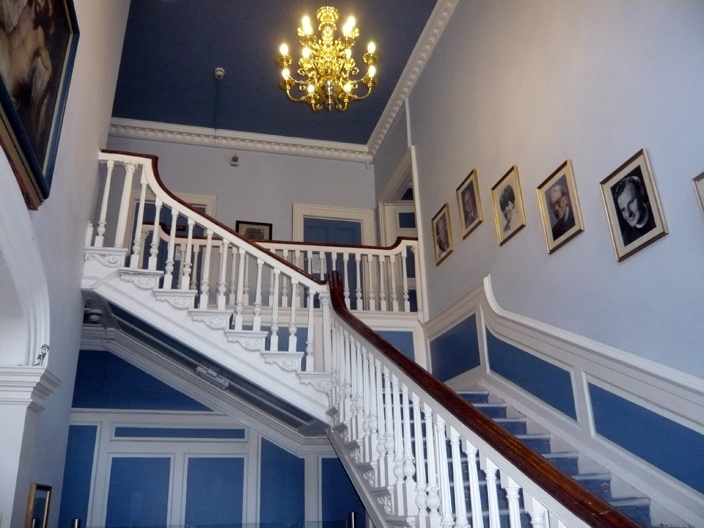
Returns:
point(415, 450)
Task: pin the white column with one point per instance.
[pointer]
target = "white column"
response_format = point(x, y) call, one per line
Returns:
point(99, 239)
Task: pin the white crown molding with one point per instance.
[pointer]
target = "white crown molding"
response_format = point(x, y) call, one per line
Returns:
point(414, 67)
point(230, 139)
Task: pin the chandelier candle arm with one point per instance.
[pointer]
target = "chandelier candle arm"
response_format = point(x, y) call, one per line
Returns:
point(328, 75)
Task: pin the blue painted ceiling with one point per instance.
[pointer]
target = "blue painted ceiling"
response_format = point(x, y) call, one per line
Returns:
point(172, 48)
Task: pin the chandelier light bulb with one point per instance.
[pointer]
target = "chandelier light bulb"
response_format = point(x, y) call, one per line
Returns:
point(311, 88)
point(307, 28)
point(283, 49)
point(351, 22)
point(348, 53)
point(306, 52)
point(371, 47)
point(285, 73)
point(346, 30)
point(372, 71)
point(348, 87)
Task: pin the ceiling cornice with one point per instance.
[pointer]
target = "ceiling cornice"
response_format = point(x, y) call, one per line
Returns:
point(414, 67)
point(230, 139)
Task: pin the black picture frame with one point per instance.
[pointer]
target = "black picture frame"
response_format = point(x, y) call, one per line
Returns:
point(257, 231)
point(31, 111)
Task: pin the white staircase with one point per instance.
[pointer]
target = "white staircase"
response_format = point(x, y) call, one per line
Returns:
point(256, 314)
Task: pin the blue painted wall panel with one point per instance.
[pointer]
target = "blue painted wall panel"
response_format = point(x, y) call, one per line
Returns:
point(675, 449)
point(325, 230)
point(282, 487)
point(401, 340)
point(104, 381)
point(77, 473)
point(139, 492)
point(544, 380)
point(214, 491)
point(456, 351)
point(338, 495)
point(177, 432)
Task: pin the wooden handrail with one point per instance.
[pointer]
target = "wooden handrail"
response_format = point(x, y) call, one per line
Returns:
point(155, 167)
point(584, 504)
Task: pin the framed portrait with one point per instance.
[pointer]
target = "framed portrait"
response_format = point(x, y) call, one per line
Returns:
point(253, 230)
point(633, 206)
point(37, 48)
point(469, 204)
point(38, 506)
point(442, 234)
point(699, 189)
point(509, 215)
point(559, 207)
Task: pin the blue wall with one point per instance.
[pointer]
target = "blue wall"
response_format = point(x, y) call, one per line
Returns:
point(282, 486)
point(401, 340)
point(669, 446)
point(214, 491)
point(104, 381)
point(139, 491)
point(456, 351)
point(338, 495)
point(544, 380)
point(77, 473)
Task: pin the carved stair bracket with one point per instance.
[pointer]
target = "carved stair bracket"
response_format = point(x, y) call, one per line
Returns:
point(385, 501)
point(247, 339)
point(369, 476)
point(289, 361)
point(108, 257)
point(144, 280)
point(215, 319)
point(180, 299)
point(321, 381)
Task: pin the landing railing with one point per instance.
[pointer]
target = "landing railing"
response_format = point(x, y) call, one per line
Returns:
point(428, 458)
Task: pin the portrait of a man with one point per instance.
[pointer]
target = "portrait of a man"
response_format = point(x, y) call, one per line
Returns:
point(559, 207)
point(635, 214)
point(633, 206)
point(469, 204)
point(559, 203)
point(442, 234)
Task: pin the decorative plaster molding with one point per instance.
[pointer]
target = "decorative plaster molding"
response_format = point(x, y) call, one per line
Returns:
point(108, 257)
point(230, 139)
point(179, 299)
point(26, 386)
point(289, 361)
point(414, 67)
point(215, 319)
point(143, 279)
point(322, 381)
point(250, 341)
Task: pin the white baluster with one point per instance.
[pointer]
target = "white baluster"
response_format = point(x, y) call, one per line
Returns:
point(324, 264)
point(310, 362)
point(324, 297)
point(121, 225)
point(239, 304)
point(364, 379)
point(298, 259)
point(169, 275)
point(284, 291)
point(99, 239)
point(245, 287)
point(513, 497)
point(389, 443)
point(370, 284)
point(409, 467)
point(232, 297)
point(433, 500)
point(537, 512)
point(347, 384)
point(186, 258)
point(137, 241)
point(274, 341)
point(156, 232)
point(88, 238)
point(393, 288)
point(292, 328)
point(382, 477)
point(358, 288)
point(458, 481)
point(490, 472)
point(382, 283)
point(373, 455)
point(345, 274)
point(257, 321)
point(205, 273)
point(475, 501)
point(421, 484)
point(356, 399)
point(443, 474)
point(404, 275)
point(196, 263)
point(271, 288)
point(398, 448)
point(222, 284)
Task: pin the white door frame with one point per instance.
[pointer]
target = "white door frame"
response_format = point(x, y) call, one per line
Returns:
point(364, 216)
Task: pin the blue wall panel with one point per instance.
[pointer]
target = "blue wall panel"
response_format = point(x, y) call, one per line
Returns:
point(338, 495)
point(177, 432)
point(214, 491)
point(77, 473)
point(673, 448)
point(282, 487)
point(104, 381)
point(401, 340)
point(544, 380)
point(456, 351)
point(139, 491)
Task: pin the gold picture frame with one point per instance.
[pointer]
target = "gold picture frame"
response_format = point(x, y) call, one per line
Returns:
point(469, 204)
point(559, 207)
point(38, 506)
point(509, 215)
point(633, 206)
point(442, 234)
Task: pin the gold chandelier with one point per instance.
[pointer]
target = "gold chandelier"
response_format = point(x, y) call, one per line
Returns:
point(329, 73)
